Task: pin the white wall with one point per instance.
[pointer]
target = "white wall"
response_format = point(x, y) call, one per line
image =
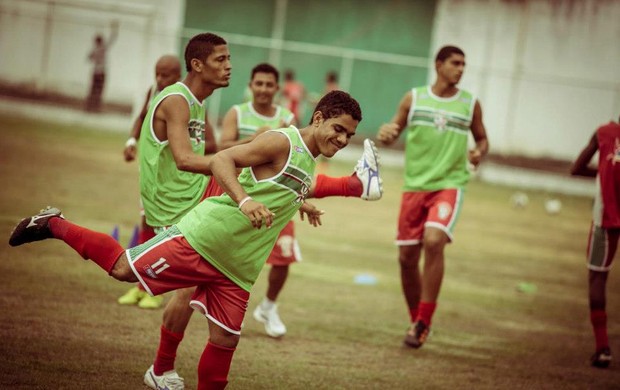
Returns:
point(546, 72)
point(45, 44)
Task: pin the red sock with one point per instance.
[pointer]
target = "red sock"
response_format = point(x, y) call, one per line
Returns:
point(598, 318)
point(425, 311)
point(214, 366)
point(145, 235)
point(98, 247)
point(167, 351)
point(337, 186)
point(413, 314)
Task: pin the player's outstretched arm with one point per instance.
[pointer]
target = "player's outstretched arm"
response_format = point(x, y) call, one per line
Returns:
point(131, 150)
point(480, 137)
point(389, 132)
point(581, 165)
point(266, 155)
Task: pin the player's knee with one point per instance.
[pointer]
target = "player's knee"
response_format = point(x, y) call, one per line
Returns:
point(409, 256)
point(224, 339)
point(122, 271)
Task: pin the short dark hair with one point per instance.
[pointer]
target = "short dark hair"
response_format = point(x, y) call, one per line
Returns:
point(336, 103)
point(445, 52)
point(265, 68)
point(200, 47)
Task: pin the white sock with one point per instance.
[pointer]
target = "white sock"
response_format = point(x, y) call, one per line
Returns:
point(267, 304)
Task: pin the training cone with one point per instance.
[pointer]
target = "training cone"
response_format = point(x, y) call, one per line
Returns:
point(134, 237)
point(114, 233)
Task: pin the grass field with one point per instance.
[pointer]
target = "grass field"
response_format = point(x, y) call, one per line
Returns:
point(62, 329)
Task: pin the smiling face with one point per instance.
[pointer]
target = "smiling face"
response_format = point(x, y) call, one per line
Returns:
point(334, 133)
point(264, 87)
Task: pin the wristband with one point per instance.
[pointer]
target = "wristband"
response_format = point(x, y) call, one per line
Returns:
point(130, 142)
point(244, 201)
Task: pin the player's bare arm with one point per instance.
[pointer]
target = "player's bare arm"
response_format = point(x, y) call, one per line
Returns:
point(210, 144)
point(389, 132)
point(480, 137)
point(170, 123)
point(581, 165)
point(230, 131)
point(266, 155)
point(130, 146)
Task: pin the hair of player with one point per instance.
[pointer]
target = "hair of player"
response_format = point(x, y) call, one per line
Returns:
point(445, 52)
point(337, 103)
point(265, 68)
point(200, 47)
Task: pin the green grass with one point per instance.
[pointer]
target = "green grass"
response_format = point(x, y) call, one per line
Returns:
point(61, 327)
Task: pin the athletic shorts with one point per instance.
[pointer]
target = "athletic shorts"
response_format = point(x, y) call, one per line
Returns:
point(213, 189)
point(421, 209)
point(602, 246)
point(286, 251)
point(167, 262)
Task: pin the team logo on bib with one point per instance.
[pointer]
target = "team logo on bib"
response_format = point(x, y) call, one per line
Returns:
point(440, 120)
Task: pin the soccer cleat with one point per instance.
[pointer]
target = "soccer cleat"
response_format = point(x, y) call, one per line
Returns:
point(601, 358)
point(273, 324)
point(132, 296)
point(34, 228)
point(149, 302)
point(417, 334)
point(367, 170)
point(169, 380)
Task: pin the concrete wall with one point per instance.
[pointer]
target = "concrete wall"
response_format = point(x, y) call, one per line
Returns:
point(546, 72)
point(44, 44)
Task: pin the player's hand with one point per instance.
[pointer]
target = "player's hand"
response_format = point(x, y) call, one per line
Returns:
point(257, 213)
point(388, 133)
point(474, 156)
point(314, 214)
point(130, 153)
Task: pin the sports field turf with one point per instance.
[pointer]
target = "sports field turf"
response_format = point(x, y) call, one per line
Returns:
point(62, 329)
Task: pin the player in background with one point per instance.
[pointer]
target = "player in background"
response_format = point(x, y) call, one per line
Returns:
point(436, 120)
point(244, 122)
point(605, 227)
point(167, 72)
point(293, 94)
point(221, 244)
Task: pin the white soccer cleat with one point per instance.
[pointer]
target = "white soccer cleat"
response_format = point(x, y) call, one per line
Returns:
point(367, 170)
point(273, 324)
point(169, 380)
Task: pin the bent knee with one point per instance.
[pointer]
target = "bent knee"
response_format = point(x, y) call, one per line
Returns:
point(122, 271)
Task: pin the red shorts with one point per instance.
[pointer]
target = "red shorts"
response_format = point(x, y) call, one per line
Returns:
point(602, 246)
point(421, 209)
point(167, 262)
point(213, 189)
point(286, 250)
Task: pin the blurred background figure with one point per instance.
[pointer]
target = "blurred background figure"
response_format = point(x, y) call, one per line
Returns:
point(98, 56)
point(294, 94)
point(331, 82)
point(605, 228)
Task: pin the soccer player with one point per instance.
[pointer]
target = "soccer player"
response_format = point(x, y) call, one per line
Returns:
point(167, 72)
point(605, 228)
point(437, 119)
point(244, 122)
point(221, 245)
point(294, 94)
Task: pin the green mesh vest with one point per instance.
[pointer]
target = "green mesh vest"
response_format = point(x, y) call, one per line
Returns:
point(248, 120)
point(436, 140)
point(223, 235)
point(168, 193)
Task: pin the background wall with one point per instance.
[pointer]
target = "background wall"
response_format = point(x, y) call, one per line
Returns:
point(546, 71)
point(44, 44)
